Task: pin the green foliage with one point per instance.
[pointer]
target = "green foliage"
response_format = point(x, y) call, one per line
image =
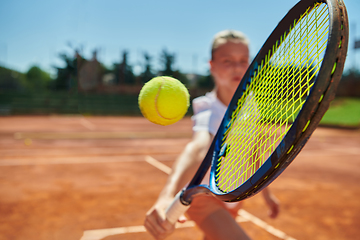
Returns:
point(37, 79)
point(66, 76)
point(123, 71)
point(148, 73)
point(206, 82)
point(76, 71)
point(11, 79)
point(181, 77)
point(167, 59)
point(343, 112)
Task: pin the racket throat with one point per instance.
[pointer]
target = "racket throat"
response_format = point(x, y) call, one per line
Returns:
point(188, 194)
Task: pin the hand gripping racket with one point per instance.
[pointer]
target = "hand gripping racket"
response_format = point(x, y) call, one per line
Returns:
point(277, 105)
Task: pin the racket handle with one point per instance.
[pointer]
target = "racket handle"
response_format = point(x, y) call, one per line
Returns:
point(176, 209)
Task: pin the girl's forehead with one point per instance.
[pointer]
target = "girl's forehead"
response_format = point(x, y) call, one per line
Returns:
point(232, 49)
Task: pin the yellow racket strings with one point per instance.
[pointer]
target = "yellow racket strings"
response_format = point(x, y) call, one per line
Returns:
point(273, 98)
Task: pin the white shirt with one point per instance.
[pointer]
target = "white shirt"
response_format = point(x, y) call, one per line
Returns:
point(208, 113)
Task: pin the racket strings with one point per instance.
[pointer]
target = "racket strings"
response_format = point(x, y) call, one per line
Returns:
point(273, 98)
point(283, 72)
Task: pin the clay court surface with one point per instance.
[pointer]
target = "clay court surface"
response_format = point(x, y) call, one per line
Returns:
point(63, 177)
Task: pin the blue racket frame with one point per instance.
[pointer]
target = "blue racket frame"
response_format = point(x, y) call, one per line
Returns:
point(321, 94)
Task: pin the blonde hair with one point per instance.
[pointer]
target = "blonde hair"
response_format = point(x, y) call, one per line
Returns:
point(228, 35)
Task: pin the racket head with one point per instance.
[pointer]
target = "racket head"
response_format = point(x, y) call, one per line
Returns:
point(279, 102)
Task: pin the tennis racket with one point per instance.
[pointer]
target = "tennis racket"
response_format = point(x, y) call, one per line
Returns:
point(277, 105)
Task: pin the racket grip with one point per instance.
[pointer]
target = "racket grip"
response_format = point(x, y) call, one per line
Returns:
point(176, 209)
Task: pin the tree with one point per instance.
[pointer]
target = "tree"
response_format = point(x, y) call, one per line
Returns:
point(90, 73)
point(37, 79)
point(181, 77)
point(12, 80)
point(206, 82)
point(66, 77)
point(123, 71)
point(168, 60)
point(147, 74)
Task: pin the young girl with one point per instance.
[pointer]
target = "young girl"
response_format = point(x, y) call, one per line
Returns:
point(228, 64)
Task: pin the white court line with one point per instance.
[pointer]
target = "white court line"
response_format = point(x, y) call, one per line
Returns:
point(242, 213)
point(158, 164)
point(102, 233)
point(270, 229)
point(87, 124)
point(244, 216)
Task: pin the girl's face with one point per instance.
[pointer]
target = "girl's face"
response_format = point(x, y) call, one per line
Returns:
point(229, 64)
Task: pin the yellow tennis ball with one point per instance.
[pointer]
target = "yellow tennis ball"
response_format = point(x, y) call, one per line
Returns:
point(164, 100)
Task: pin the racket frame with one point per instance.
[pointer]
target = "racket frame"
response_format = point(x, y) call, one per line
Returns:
point(317, 103)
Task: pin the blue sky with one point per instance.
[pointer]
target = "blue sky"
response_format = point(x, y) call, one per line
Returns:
point(35, 32)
